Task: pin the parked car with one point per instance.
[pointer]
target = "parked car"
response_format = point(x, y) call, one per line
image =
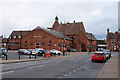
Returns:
point(3, 52)
point(55, 52)
point(38, 49)
point(41, 52)
point(23, 51)
point(73, 50)
point(98, 56)
point(107, 53)
point(32, 51)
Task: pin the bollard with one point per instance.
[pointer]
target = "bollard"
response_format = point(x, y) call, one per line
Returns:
point(6, 57)
point(30, 56)
point(35, 56)
point(19, 55)
point(63, 53)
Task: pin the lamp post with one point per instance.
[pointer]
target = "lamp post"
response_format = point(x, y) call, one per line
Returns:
point(64, 41)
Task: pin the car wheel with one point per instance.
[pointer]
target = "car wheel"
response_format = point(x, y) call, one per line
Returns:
point(93, 60)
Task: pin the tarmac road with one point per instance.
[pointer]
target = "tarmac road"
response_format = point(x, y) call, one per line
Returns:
point(73, 66)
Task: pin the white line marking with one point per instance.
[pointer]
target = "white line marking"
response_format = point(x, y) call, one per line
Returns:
point(74, 70)
point(65, 75)
point(70, 72)
point(36, 66)
point(61, 77)
point(78, 68)
point(7, 72)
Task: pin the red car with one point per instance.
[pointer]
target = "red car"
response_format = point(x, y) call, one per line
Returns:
point(98, 56)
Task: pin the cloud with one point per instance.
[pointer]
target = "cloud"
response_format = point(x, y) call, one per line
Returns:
point(97, 16)
point(96, 13)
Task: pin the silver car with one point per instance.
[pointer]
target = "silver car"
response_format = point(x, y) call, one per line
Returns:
point(107, 53)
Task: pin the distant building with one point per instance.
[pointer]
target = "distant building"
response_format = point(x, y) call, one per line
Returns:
point(101, 45)
point(1, 40)
point(4, 43)
point(113, 40)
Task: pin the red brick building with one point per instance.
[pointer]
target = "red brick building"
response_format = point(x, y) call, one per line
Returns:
point(14, 40)
point(46, 39)
point(112, 40)
point(82, 40)
point(53, 38)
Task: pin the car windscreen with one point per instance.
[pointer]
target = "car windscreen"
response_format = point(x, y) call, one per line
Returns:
point(98, 54)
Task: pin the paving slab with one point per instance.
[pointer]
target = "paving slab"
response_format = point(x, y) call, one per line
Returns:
point(110, 68)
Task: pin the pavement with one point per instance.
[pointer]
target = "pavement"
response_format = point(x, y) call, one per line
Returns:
point(110, 68)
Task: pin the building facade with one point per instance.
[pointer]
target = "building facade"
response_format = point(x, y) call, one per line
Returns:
point(112, 40)
point(101, 45)
point(46, 39)
point(14, 40)
point(82, 40)
point(59, 36)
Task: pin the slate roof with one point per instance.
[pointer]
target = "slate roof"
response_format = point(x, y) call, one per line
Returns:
point(70, 28)
point(55, 33)
point(90, 36)
point(112, 36)
point(19, 33)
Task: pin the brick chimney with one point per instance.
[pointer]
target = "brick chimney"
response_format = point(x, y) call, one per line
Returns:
point(108, 31)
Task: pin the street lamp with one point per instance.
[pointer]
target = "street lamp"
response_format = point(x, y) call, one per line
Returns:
point(64, 41)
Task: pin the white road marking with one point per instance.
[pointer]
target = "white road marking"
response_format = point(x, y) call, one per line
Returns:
point(70, 72)
point(65, 75)
point(36, 66)
point(74, 70)
point(61, 77)
point(7, 72)
point(78, 68)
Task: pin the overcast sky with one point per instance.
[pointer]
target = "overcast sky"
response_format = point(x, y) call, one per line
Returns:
point(28, 14)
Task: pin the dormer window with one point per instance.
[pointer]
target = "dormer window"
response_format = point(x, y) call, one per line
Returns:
point(19, 37)
point(14, 37)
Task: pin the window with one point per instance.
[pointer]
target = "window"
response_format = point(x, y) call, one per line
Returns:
point(42, 43)
point(14, 37)
point(49, 45)
point(25, 45)
point(112, 42)
point(50, 41)
point(59, 44)
point(19, 37)
point(25, 41)
point(11, 37)
point(30, 43)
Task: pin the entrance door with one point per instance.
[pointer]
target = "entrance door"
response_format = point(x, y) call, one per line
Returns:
point(37, 45)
